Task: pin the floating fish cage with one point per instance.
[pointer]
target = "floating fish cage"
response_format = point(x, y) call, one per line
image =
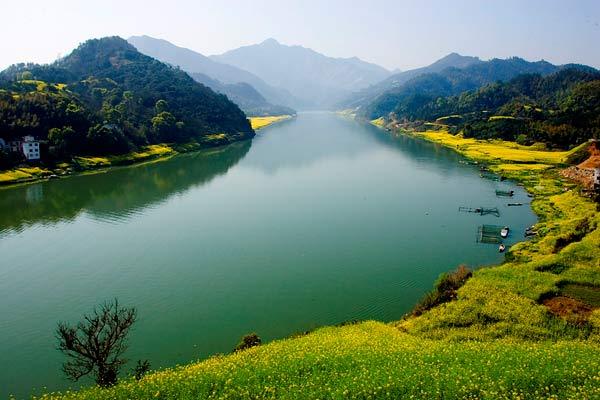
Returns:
point(489, 234)
point(481, 210)
point(506, 193)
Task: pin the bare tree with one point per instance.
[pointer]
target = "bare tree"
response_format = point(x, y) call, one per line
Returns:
point(96, 344)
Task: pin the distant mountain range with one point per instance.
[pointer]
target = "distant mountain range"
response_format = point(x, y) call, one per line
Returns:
point(219, 74)
point(393, 95)
point(319, 81)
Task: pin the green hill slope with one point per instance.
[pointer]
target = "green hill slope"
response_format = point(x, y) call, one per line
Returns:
point(106, 97)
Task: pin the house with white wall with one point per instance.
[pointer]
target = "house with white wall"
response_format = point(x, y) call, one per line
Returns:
point(30, 148)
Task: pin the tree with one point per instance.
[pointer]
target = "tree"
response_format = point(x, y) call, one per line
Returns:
point(97, 343)
point(161, 106)
point(164, 126)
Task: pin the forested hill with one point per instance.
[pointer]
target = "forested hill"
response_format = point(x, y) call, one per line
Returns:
point(368, 94)
point(452, 81)
point(106, 97)
point(561, 109)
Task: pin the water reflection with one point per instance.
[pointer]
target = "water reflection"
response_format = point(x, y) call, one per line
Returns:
point(115, 195)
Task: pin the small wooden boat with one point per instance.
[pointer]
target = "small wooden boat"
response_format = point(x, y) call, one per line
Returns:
point(501, 248)
point(504, 232)
point(514, 204)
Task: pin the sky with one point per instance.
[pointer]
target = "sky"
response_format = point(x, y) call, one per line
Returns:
point(391, 33)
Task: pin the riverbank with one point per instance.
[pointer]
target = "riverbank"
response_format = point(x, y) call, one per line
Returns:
point(262, 122)
point(92, 164)
point(549, 286)
point(533, 328)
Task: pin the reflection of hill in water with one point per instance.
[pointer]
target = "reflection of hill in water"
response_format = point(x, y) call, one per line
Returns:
point(116, 194)
point(311, 138)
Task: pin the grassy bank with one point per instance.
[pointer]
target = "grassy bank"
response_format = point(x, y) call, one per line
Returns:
point(85, 164)
point(88, 164)
point(372, 360)
point(512, 300)
point(262, 122)
point(527, 329)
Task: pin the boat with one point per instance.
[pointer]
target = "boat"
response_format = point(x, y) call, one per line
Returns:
point(501, 248)
point(514, 204)
point(504, 232)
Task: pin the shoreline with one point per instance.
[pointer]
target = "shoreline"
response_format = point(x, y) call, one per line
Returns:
point(91, 165)
point(86, 165)
point(532, 274)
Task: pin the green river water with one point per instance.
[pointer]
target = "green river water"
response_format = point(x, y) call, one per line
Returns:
point(316, 221)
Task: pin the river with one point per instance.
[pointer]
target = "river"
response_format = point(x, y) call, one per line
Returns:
point(316, 221)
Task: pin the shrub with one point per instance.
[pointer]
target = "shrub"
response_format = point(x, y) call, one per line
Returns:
point(248, 341)
point(141, 369)
point(583, 228)
point(444, 290)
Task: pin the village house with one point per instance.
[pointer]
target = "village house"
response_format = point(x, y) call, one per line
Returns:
point(30, 148)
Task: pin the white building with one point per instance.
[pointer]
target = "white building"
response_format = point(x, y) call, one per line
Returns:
point(30, 148)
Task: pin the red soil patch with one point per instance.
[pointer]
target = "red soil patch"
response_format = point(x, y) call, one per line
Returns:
point(584, 172)
point(568, 308)
point(594, 160)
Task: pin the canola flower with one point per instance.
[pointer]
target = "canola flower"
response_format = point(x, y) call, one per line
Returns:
point(373, 360)
point(262, 122)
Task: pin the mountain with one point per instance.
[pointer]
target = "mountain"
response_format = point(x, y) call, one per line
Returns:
point(106, 97)
point(196, 63)
point(245, 96)
point(367, 95)
point(318, 80)
point(561, 109)
point(450, 81)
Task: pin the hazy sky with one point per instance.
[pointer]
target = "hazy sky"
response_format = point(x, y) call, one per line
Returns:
point(392, 33)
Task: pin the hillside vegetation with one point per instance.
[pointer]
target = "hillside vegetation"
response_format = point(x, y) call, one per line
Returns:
point(560, 110)
point(453, 81)
point(107, 98)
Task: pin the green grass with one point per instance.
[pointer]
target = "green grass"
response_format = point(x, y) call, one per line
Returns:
point(372, 360)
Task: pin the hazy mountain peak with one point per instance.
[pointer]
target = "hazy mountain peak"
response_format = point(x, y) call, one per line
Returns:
point(454, 60)
point(315, 78)
point(270, 42)
point(214, 74)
